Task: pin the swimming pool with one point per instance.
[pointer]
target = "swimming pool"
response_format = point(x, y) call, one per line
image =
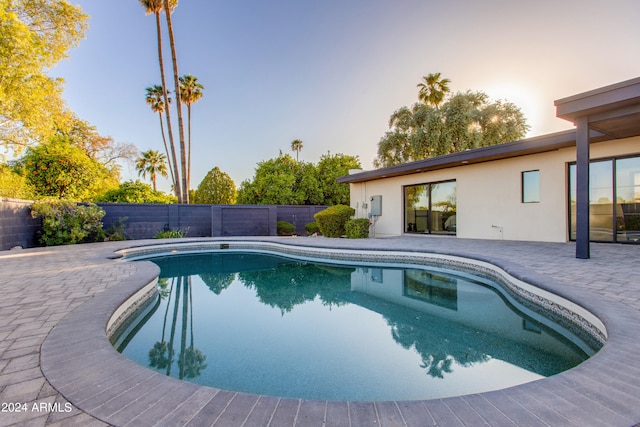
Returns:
point(278, 325)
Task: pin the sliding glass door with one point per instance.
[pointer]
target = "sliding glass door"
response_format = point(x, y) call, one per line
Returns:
point(430, 208)
point(614, 200)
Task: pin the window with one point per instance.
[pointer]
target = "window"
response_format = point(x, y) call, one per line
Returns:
point(531, 186)
point(430, 208)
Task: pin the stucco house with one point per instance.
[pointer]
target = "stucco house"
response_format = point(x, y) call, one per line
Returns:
point(581, 184)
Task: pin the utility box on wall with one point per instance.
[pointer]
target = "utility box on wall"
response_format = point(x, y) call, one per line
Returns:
point(376, 206)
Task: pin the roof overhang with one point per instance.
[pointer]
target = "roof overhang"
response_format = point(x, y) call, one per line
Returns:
point(611, 110)
point(523, 147)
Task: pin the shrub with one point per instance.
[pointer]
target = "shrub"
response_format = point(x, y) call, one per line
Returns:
point(65, 222)
point(312, 228)
point(332, 220)
point(357, 228)
point(285, 228)
point(116, 231)
point(169, 234)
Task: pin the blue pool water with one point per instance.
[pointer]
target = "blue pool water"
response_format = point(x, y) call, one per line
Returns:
point(277, 326)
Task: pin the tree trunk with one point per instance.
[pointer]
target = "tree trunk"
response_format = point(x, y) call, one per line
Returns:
point(176, 81)
point(166, 150)
point(176, 188)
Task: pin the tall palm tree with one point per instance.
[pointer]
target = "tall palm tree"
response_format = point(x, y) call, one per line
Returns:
point(156, 7)
point(433, 89)
point(190, 93)
point(155, 98)
point(296, 145)
point(153, 163)
point(169, 6)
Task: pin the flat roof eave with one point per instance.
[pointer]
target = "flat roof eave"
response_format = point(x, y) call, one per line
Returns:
point(535, 145)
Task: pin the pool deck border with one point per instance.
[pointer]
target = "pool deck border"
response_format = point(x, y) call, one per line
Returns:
point(55, 349)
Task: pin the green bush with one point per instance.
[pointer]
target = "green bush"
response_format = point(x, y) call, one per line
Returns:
point(170, 234)
point(312, 228)
point(116, 231)
point(65, 222)
point(357, 228)
point(285, 228)
point(333, 219)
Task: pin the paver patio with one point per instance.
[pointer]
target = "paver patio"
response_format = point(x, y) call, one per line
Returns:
point(54, 302)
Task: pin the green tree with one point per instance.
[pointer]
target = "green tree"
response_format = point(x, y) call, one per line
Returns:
point(282, 181)
point(190, 93)
point(13, 183)
point(155, 99)
point(62, 170)
point(156, 7)
point(296, 145)
point(216, 188)
point(329, 169)
point(464, 121)
point(433, 89)
point(136, 192)
point(153, 163)
point(103, 149)
point(34, 36)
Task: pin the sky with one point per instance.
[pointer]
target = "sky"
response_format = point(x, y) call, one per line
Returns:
point(331, 72)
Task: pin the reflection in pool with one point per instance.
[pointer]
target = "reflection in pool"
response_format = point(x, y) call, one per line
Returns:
point(277, 326)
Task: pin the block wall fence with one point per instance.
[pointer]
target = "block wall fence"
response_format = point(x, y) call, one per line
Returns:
point(143, 221)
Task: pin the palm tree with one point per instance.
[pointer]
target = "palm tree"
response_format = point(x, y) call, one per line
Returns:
point(153, 163)
point(155, 98)
point(433, 89)
point(156, 7)
point(296, 145)
point(169, 6)
point(190, 93)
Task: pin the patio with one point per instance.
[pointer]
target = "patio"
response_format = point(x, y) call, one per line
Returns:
point(61, 296)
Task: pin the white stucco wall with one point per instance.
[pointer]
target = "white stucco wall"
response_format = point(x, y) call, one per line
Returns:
point(489, 195)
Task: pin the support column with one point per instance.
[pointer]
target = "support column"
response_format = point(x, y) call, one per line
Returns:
point(582, 188)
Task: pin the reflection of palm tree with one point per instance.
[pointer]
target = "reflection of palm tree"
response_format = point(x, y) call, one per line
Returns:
point(158, 357)
point(190, 359)
point(437, 365)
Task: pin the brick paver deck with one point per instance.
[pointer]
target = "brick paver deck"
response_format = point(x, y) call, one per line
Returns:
point(54, 302)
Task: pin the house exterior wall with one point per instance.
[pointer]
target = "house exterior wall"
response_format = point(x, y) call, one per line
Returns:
point(489, 195)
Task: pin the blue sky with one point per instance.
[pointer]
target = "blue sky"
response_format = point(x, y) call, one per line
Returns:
point(331, 72)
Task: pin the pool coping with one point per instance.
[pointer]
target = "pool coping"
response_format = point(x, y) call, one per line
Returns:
point(79, 362)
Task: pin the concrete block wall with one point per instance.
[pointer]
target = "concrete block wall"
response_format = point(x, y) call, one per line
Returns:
point(143, 221)
point(17, 228)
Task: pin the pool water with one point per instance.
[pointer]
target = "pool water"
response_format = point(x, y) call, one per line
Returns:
point(272, 325)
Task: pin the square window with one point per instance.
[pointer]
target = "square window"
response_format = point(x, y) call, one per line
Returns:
point(531, 186)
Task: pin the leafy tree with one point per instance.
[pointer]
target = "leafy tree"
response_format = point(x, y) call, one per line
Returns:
point(216, 188)
point(329, 169)
point(282, 181)
point(13, 183)
point(34, 36)
point(60, 169)
point(153, 163)
point(100, 148)
point(155, 99)
point(136, 192)
point(190, 93)
point(296, 145)
point(155, 7)
point(464, 121)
